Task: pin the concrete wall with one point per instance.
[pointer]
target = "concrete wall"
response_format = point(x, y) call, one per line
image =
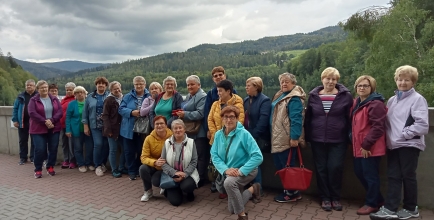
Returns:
point(352, 188)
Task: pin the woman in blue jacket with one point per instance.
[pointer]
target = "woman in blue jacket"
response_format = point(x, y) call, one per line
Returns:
point(236, 155)
point(257, 107)
point(130, 110)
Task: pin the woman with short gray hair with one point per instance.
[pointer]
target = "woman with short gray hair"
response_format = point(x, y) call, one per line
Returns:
point(168, 102)
point(67, 146)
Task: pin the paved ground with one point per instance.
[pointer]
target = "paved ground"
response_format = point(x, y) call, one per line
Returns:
point(74, 195)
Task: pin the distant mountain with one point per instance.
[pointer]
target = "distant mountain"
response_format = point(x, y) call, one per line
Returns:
point(41, 71)
point(73, 65)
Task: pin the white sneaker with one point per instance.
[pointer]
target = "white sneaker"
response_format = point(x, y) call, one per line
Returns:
point(147, 195)
point(99, 172)
point(104, 169)
point(82, 169)
point(91, 168)
point(161, 191)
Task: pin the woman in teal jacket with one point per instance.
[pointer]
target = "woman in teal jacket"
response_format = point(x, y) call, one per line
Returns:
point(74, 129)
point(236, 156)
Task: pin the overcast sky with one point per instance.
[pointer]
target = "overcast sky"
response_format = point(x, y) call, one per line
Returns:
point(117, 30)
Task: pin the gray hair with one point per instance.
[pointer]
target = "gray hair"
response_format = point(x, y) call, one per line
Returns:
point(139, 78)
point(169, 78)
point(113, 84)
point(29, 81)
point(178, 122)
point(40, 83)
point(289, 76)
point(70, 84)
point(156, 84)
point(195, 78)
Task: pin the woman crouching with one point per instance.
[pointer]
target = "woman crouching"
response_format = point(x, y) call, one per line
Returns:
point(236, 155)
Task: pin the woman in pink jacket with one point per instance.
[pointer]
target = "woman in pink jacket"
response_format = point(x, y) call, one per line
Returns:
point(45, 113)
point(368, 116)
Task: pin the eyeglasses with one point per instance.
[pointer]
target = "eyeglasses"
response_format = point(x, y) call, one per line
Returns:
point(217, 75)
point(363, 86)
point(159, 124)
point(232, 117)
point(139, 84)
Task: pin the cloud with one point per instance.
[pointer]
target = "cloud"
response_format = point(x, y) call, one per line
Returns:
point(112, 30)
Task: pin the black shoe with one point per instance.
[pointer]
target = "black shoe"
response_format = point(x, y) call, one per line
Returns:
point(133, 177)
point(124, 171)
point(116, 174)
point(190, 197)
point(22, 161)
point(31, 160)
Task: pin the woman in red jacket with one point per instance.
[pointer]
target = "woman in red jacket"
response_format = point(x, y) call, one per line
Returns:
point(67, 146)
point(368, 138)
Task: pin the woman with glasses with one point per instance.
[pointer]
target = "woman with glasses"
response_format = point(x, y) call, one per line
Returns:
point(130, 110)
point(168, 102)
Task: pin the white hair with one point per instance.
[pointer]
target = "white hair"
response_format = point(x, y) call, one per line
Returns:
point(70, 84)
point(195, 78)
point(169, 78)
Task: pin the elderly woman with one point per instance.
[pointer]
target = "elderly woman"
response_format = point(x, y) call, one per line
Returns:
point(53, 89)
point(155, 89)
point(236, 155)
point(257, 107)
point(192, 113)
point(368, 138)
point(93, 124)
point(112, 125)
point(179, 151)
point(130, 111)
point(286, 124)
point(167, 102)
point(406, 125)
point(326, 127)
point(75, 130)
point(67, 146)
point(151, 168)
point(45, 113)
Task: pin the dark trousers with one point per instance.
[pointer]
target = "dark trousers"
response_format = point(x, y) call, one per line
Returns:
point(367, 170)
point(175, 195)
point(150, 176)
point(281, 158)
point(203, 157)
point(23, 135)
point(133, 151)
point(401, 170)
point(329, 163)
point(48, 140)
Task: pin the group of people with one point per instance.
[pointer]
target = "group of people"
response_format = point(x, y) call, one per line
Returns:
point(233, 133)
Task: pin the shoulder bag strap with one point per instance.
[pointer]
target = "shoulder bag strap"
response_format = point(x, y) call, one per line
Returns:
point(229, 146)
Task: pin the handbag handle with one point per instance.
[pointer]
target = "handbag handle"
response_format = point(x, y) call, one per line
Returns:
point(300, 159)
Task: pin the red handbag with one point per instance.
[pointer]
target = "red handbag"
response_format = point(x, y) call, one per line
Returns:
point(295, 178)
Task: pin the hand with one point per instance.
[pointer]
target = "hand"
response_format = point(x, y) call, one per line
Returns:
point(68, 135)
point(160, 162)
point(293, 143)
point(86, 129)
point(110, 135)
point(180, 174)
point(365, 153)
point(179, 179)
point(135, 113)
point(208, 135)
point(16, 124)
point(180, 114)
point(232, 172)
point(48, 123)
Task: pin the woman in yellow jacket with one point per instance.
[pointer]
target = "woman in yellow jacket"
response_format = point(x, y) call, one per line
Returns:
point(224, 89)
point(150, 170)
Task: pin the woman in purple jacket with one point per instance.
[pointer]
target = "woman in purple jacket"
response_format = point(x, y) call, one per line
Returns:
point(406, 125)
point(45, 113)
point(327, 123)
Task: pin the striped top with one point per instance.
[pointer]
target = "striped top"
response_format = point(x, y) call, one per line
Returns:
point(327, 101)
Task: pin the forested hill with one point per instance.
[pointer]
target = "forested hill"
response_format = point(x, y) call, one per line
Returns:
point(267, 55)
point(72, 65)
point(12, 79)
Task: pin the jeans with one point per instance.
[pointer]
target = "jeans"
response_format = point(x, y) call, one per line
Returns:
point(150, 176)
point(280, 160)
point(23, 134)
point(67, 147)
point(113, 150)
point(203, 157)
point(78, 149)
point(329, 163)
point(100, 148)
point(401, 170)
point(133, 151)
point(175, 195)
point(43, 142)
point(367, 170)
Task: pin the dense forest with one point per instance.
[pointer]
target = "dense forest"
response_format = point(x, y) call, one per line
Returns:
point(12, 79)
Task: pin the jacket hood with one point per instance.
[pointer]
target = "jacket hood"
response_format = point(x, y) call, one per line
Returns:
point(155, 136)
point(133, 92)
point(236, 130)
point(93, 94)
point(372, 97)
point(172, 139)
point(341, 88)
